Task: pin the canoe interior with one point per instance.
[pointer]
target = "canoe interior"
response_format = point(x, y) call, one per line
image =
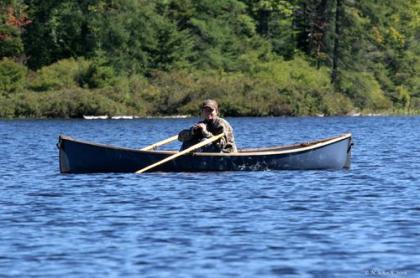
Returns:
point(285, 147)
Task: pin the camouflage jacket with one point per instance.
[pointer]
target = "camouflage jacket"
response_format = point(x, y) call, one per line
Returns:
point(215, 127)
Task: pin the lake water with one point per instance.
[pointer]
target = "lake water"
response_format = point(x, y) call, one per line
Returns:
point(357, 223)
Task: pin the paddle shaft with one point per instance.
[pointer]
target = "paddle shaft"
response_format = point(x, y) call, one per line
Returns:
point(190, 149)
point(160, 143)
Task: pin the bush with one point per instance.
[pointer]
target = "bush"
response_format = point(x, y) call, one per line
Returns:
point(404, 97)
point(64, 74)
point(301, 89)
point(73, 88)
point(237, 94)
point(364, 90)
point(336, 104)
point(415, 105)
point(7, 107)
point(134, 92)
point(12, 76)
point(78, 102)
point(99, 75)
point(296, 75)
point(27, 105)
point(11, 44)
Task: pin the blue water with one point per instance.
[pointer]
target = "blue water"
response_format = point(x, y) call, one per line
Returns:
point(357, 223)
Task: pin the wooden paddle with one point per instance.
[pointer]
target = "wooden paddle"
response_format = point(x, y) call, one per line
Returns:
point(160, 143)
point(190, 149)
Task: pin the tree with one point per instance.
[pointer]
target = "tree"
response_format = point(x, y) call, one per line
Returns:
point(394, 33)
point(60, 29)
point(314, 21)
point(13, 19)
point(275, 22)
point(223, 33)
point(139, 37)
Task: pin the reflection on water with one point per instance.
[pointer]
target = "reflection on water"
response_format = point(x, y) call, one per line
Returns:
point(356, 223)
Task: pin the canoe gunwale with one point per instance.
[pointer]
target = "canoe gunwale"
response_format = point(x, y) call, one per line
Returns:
point(275, 150)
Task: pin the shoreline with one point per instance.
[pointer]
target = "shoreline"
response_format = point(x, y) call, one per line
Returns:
point(134, 117)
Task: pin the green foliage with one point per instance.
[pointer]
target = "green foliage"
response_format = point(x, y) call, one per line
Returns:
point(12, 19)
point(27, 105)
point(60, 104)
point(59, 30)
point(296, 74)
point(7, 107)
point(364, 90)
point(10, 45)
point(308, 89)
point(12, 76)
point(336, 104)
point(76, 103)
point(66, 73)
point(272, 92)
point(134, 94)
point(98, 75)
point(274, 21)
point(223, 32)
point(256, 57)
point(404, 97)
point(146, 42)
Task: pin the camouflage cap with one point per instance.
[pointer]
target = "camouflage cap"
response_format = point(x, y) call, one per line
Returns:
point(212, 104)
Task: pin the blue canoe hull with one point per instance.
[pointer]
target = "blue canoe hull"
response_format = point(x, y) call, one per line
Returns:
point(86, 157)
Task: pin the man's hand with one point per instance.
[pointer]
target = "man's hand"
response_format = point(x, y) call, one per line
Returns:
point(199, 128)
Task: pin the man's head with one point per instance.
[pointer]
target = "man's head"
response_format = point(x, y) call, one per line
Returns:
point(209, 109)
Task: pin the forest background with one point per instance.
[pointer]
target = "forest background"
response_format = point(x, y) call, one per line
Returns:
point(69, 58)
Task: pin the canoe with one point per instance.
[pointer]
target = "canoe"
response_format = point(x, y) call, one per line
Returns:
point(86, 157)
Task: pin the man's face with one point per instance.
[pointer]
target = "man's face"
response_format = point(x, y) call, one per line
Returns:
point(208, 113)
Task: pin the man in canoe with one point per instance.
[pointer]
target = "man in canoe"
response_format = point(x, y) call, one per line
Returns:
point(210, 126)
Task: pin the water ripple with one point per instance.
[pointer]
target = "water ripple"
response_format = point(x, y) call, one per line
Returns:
point(354, 223)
